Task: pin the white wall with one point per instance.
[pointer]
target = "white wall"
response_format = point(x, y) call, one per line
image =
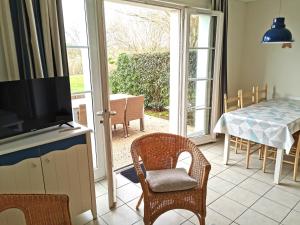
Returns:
point(236, 36)
point(271, 64)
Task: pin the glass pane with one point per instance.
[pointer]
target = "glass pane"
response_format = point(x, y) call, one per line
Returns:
point(202, 30)
point(199, 94)
point(79, 69)
point(201, 63)
point(198, 122)
point(82, 108)
point(75, 22)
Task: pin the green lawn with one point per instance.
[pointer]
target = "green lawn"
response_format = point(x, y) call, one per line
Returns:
point(77, 83)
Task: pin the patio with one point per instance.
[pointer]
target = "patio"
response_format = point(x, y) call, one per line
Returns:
point(121, 145)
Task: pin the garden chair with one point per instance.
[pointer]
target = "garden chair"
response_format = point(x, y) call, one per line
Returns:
point(119, 106)
point(39, 209)
point(135, 110)
point(159, 153)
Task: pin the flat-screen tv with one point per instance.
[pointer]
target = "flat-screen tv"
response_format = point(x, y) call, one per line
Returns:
point(30, 105)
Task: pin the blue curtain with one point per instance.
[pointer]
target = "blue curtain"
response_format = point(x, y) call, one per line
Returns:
point(222, 5)
point(27, 61)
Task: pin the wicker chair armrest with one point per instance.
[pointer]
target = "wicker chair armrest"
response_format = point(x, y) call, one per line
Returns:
point(200, 167)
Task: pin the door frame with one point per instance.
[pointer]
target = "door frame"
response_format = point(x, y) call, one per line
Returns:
point(216, 76)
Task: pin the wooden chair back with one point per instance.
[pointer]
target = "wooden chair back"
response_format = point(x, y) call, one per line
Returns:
point(82, 117)
point(246, 97)
point(119, 106)
point(261, 94)
point(231, 103)
point(134, 108)
point(39, 209)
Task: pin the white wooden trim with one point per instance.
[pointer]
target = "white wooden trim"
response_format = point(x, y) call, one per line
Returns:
point(217, 67)
point(105, 101)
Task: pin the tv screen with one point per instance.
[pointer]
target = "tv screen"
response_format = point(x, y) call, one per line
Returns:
point(29, 105)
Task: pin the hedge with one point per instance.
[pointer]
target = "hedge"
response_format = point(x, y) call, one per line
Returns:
point(145, 74)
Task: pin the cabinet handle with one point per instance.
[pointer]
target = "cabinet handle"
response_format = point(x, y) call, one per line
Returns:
point(33, 165)
point(47, 160)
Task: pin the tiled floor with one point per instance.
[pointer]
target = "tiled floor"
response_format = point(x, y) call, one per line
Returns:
point(235, 196)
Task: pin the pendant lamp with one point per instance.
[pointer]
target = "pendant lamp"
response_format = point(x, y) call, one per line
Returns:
point(278, 34)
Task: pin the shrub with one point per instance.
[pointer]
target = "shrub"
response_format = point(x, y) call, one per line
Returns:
point(143, 74)
point(147, 74)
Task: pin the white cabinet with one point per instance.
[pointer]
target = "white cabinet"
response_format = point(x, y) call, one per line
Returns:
point(66, 172)
point(23, 177)
point(59, 167)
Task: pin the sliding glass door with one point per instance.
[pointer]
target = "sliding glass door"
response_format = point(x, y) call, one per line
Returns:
point(201, 68)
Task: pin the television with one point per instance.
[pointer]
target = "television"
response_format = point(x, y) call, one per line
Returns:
point(34, 104)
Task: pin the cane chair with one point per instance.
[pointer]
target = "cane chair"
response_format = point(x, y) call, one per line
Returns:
point(38, 209)
point(118, 106)
point(261, 94)
point(231, 104)
point(135, 110)
point(292, 158)
point(247, 99)
point(160, 151)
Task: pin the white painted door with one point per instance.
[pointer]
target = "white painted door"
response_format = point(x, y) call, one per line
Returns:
point(24, 177)
point(202, 56)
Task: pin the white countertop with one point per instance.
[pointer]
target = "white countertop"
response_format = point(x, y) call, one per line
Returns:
point(42, 137)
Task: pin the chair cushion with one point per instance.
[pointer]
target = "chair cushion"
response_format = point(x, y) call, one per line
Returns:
point(170, 180)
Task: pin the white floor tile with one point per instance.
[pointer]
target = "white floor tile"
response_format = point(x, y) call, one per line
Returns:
point(100, 189)
point(212, 218)
point(232, 176)
point(102, 204)
point(243, 196)
point(170, 218)
point(132, 205)
point(187, 223)
point(185, 213)
point(211, 196)
point(251, 217)
point(290, 186)
point(128, 192)
point(216, 169)
point(283, 197)
point(121, 180)
point(255, 186)
point(122, 215)
point(228, 208)
point(292, 219)
point(297, 208)
point(219, 185)
point(271, 209)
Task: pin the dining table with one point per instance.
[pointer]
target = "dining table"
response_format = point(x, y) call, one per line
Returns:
point(271, 123)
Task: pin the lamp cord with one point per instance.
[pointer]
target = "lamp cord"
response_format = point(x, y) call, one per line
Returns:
point(280, 6)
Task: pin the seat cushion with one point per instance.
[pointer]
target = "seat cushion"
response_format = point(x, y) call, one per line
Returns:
point(170, 180)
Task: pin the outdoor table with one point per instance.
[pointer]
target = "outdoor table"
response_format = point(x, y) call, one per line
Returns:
point(270, 123)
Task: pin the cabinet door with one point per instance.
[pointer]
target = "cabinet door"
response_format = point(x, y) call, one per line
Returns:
point(67, 172)
point(20, 174)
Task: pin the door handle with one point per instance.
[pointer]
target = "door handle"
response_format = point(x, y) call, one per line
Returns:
point(111, 113)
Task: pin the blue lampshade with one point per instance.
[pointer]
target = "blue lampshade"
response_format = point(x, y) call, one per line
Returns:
point(278, 33)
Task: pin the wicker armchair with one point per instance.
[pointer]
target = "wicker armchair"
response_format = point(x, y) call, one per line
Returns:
point(161, 151)
point(39, 209)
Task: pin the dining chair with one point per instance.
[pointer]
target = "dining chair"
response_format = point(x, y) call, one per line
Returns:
point(38, 209)
point(82, 118)
point(246, 99)
point(166, 187)
point(231, 104)
point(135, 110)
point(261, 94)
point(119, 106)
point(292, 158)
